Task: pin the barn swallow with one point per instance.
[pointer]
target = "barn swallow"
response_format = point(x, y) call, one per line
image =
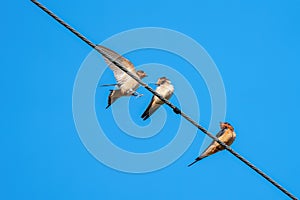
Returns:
point(165, 89)
point(226, 135)
point(126, 86)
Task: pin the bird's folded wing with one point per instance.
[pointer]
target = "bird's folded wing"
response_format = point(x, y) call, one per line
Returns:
point(219, 134)
point(120, 75)
point(170, 92)
point(152, 107)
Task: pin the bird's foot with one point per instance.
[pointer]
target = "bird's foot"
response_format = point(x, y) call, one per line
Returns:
point(137, 95)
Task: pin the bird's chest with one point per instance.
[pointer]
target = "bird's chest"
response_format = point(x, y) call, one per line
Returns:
point(228, 137)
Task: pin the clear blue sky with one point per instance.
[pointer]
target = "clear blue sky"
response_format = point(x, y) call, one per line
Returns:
point(255, 46)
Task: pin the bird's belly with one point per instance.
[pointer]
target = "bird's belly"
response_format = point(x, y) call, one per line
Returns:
point(129, 87)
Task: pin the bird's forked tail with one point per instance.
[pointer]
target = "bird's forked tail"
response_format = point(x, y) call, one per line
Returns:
point(113, 96)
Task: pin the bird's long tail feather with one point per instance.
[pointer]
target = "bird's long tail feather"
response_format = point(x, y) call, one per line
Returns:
point(196, 160)
point(107, 85)
point(146, 114)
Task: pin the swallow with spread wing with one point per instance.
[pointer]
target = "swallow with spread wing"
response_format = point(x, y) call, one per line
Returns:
point(226, 135)
point(165, 89)
point(126, 86)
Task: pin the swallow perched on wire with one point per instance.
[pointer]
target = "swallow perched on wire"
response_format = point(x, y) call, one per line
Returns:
point(126, 86)
point(226, 135)
point(165, 89)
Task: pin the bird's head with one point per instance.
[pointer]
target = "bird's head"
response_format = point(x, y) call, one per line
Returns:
point(141, 74)
point(225, 125)
point(162, 80)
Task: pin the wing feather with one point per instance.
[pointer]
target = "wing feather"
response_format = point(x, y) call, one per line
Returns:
point(119, 75)
point(150, 109)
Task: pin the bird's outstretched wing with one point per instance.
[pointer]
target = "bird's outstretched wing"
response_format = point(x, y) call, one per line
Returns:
point(120, 75)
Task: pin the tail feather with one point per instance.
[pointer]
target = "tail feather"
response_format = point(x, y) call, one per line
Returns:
point(109, 99)
point(106, 85)
point(113, 96)
point(150, 110)
point(196, 160)
point(147, 113)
